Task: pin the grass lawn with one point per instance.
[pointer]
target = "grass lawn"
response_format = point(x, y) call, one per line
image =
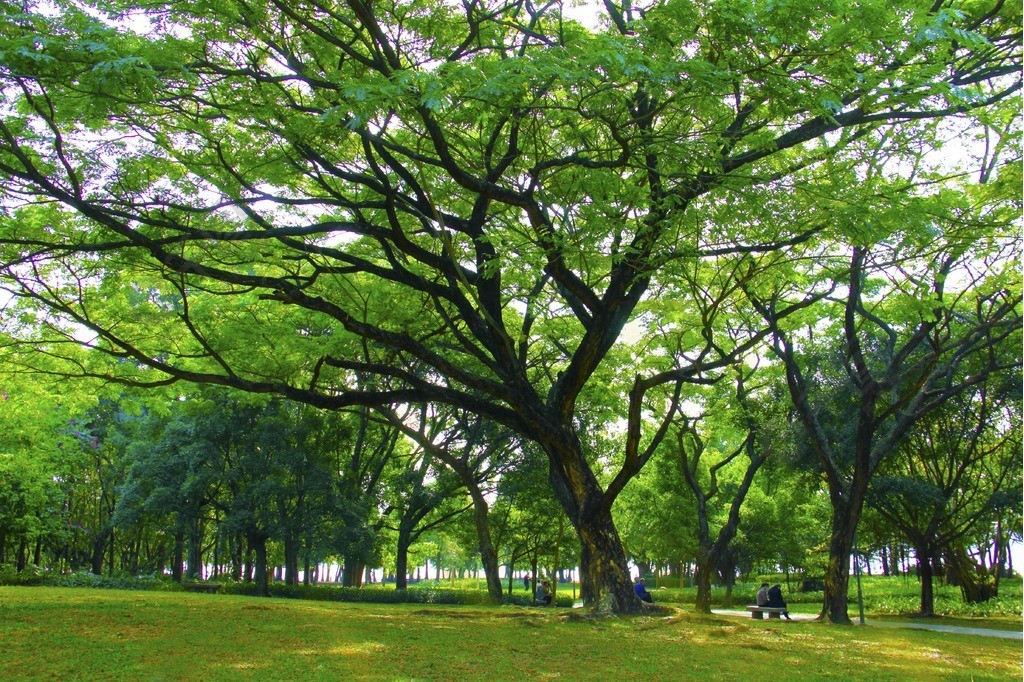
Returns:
point(83, 634)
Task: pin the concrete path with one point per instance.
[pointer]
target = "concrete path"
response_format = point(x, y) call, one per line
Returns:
point(1006, 634)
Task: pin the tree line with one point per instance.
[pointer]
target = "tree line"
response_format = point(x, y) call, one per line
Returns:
point(216, 485)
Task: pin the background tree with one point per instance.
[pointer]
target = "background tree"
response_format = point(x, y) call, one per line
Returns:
point(900, 360)
point(953, 475)
point(478, 453)
point(422, 496)
point(39, 457)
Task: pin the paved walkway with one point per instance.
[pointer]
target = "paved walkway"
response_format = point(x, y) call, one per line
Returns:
point(1006, 634)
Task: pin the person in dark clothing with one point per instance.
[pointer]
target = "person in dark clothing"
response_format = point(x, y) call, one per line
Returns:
point(526, 582)
point(776, 601)
point(641, 591)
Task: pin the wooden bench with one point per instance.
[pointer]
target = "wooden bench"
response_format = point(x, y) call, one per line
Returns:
point(202, 587)
point(757, 612)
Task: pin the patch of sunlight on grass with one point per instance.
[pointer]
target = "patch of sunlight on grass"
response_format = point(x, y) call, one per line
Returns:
point(352, 649)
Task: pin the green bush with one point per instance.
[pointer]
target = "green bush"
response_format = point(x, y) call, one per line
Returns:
point(33, 575)
point(118, 581)
point(902, 595)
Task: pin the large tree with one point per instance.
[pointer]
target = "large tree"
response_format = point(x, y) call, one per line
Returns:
point(279, 196)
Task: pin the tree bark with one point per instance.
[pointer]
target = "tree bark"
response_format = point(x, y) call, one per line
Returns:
point(195, 551)
point(837, 574)
point(177, 568)
point(605, 585)
point(925, 573)
point(402, 559)
point(604, 572)
point(702, 580)
point(258, 543)
point(291, 559)
point(488, 553)
point(99, 547)
point(351, 573)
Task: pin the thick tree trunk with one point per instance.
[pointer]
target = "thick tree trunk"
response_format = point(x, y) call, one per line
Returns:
point(258, 543)
point(291, 560)
point(488, 554)
point(195, 552)
point(605, 585)
point(604, 579)
point(111, 548)
point(974, 588)
point(99, 548)
point(702, 579)
point(236, 558)
point(351, 574)
point(837, 574)
point(402, 559)
point(177, 568)
point(924, 572)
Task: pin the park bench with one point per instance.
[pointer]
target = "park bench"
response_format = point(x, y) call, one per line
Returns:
point(202, 587)
point(757, 612)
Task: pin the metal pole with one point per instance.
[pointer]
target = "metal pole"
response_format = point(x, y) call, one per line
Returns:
point(856, 570)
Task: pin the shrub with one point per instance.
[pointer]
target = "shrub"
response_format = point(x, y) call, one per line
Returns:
point(33, 575)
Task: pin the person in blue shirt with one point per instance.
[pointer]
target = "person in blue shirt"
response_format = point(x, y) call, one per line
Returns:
point(641, 591)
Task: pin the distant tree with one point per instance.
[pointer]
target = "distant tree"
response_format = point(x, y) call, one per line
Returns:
point(477, 452)
point(423, 494)
point(915, 324)
point(955, 475)
point(742, 441)
point(38, 456)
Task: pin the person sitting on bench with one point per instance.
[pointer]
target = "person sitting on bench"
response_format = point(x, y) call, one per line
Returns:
point(776, 601)
point(544, 593)
point(762, 595)
point(641, 591)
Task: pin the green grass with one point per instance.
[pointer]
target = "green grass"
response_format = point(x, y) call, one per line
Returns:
point(85, 634)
